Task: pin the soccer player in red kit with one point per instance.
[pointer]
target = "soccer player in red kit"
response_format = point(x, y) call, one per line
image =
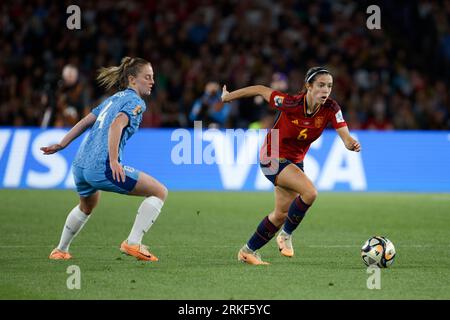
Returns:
point(301, 120)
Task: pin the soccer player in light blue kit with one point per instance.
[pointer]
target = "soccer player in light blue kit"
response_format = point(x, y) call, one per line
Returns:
point(97, 165)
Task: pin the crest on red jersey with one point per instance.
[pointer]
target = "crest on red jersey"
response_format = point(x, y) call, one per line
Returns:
point(278, 100)
point(318, 122)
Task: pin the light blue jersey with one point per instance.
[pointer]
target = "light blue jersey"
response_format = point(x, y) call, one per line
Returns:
point(93, 152)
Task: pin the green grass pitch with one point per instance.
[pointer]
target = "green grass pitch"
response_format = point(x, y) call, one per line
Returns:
point(197, 237)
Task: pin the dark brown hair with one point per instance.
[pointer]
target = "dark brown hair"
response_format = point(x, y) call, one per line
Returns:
point(312, 73)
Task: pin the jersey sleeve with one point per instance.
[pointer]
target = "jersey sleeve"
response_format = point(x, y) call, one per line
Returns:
point(133, 109)
point(283, 101)
point(337, 119)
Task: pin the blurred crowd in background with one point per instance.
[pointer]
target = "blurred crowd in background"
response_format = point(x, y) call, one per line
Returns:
point(397, 77)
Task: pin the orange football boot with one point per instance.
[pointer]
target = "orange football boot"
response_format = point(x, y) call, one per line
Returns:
point(139, 251)
point(251, 257)
point(284, 242)
point(57, 254)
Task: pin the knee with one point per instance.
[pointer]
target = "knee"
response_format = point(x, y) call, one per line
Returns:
point(165, 193)
point(310, 196)
point(162, 193)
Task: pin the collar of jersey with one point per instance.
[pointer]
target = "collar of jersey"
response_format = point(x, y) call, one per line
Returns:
point(305, 109)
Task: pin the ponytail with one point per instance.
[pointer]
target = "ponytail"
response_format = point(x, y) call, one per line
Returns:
point(117, 76)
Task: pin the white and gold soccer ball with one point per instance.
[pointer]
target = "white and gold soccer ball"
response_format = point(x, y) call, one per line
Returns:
point(378, 251)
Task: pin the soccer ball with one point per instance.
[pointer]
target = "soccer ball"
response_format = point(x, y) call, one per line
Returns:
point(379, 251)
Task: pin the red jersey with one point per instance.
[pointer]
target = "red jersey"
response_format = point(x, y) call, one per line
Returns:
point(295, 128)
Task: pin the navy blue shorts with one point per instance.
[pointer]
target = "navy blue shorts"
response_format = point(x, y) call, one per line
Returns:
point(273, 168)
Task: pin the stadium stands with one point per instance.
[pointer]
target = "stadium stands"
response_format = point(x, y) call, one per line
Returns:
point(393, 78)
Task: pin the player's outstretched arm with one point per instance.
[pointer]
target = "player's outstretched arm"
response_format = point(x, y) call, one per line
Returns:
point(251, 91)
point(349, 142)
point(74, 133)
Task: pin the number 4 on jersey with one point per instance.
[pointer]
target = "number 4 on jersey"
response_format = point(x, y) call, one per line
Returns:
point(102, 115)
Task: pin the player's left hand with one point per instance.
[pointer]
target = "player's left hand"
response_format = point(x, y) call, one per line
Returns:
point(51, 149)
point(118, 174)
point(353, 145)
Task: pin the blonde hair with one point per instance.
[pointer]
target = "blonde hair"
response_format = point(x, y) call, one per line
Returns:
point(117, 76)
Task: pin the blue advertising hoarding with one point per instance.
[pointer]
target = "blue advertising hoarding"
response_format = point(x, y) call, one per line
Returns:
point(417, 161)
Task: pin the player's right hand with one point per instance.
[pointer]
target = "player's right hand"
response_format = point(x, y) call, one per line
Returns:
point(117, 171)
point(51, 149)
point(224, 93)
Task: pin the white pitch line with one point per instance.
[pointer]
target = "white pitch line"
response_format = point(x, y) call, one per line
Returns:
point(201, 247)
